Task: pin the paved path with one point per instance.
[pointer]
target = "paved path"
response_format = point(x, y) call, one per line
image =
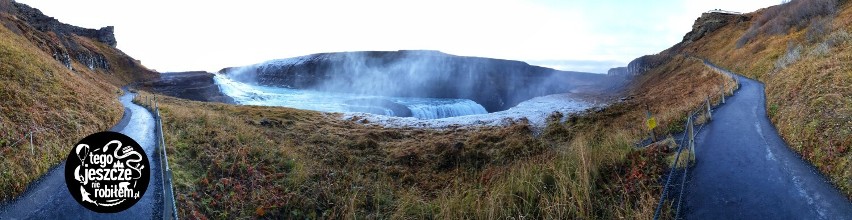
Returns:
point(48, 197)
point(745, 170)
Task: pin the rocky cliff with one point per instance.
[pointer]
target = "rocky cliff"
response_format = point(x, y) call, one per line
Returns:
point(706, 24)
point(45, 23)
point(193, 85)
point(493, 83)
point(59, 82)
point(709, 22)
point(93, 49)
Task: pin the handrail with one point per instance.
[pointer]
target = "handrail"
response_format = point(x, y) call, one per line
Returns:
point(169, 207)
point(690, 141)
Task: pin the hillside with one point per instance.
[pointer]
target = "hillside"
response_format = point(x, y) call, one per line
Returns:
point(275, 162)
point(801, 51)
point(317, 165)
point(60, 82)
point(233, 161)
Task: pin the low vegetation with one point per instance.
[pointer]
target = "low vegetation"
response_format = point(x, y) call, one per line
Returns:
point(806, 69)
point(793, 15)
point(46, 102)
point(249, 161)
point(41, 95)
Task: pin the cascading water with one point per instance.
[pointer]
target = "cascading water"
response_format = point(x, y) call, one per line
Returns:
point(421, 108)
point(435, 109)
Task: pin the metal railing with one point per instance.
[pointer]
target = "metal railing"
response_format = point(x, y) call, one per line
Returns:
point(169, 207)
point(688, 140)
point(27, 136)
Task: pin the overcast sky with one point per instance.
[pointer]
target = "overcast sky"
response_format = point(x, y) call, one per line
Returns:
point(581, 35)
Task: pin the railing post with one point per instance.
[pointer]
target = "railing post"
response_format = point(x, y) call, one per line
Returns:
point(691, 134)
point(722, 90)
point(32, 147)
point(707, 102)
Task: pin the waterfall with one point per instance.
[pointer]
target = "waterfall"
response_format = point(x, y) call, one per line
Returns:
point(454, 108)
point(420, 108)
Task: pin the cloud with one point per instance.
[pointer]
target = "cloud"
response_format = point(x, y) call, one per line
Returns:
point(589, 66)
point(209, 35)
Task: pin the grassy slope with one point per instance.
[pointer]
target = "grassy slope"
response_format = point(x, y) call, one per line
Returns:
point(808, 101)
point(245, 161)
point(40, 94)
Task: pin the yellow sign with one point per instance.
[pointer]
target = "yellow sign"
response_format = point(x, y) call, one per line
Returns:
point(652, 123)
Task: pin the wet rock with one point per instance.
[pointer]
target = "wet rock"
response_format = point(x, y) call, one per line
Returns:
point(197, 85)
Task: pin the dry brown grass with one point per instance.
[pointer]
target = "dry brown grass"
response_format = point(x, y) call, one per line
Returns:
point(808, 100)
point(248, 161)
point(40, 94)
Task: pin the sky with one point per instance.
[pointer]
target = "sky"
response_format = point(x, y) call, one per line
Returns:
point(578, 35)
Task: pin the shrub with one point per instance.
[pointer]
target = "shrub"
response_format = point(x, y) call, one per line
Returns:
point(819, 50)
point(834, 39)
point(816, 30)
point(837, 38)
point(749, 34)
point(791, 56)
point(781, 18)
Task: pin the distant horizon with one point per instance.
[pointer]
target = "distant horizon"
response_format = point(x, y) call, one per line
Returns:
point(584, 36)
point(583, 66)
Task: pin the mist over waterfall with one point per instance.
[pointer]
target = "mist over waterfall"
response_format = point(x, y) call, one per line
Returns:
point(420, 108)
point(410, 84)
point(493, 83)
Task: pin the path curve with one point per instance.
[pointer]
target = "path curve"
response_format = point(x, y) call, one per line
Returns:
point(48, 197)
point(745, 170)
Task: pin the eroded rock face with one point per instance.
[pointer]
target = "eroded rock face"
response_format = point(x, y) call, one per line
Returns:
point(493, 83)
point(58, 38)
point(706, 24)
point(709, 22)
point(195, 85)
point(46, 23)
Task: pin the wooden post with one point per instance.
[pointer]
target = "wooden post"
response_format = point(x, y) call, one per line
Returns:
point(722, 90)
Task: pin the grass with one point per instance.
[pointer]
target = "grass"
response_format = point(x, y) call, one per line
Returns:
point(265, 162)
point(268, 162)
point(41, 95)
point(808, 97)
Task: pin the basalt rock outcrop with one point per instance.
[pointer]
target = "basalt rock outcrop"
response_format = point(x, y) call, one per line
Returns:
point(193, 85)
point(495, 84)
point(709, 22)
point(67, 43)
point(706, 24)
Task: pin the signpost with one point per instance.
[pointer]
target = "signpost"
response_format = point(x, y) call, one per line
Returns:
point(651, 122)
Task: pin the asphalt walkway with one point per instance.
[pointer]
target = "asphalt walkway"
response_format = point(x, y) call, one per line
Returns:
point(48, 197)
point(745, 170)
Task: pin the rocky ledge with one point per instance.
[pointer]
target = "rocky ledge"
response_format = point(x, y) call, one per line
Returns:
point(194, 85)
